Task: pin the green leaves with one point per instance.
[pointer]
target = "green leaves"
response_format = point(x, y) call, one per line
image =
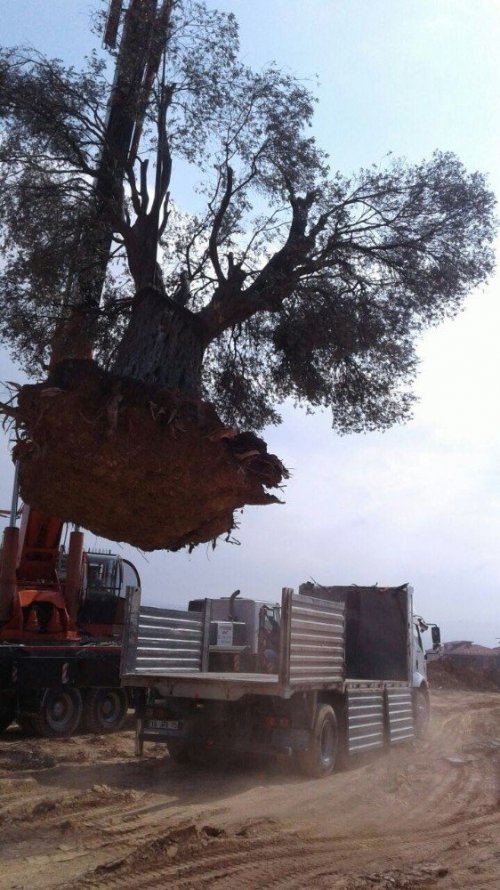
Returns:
point(307, 284)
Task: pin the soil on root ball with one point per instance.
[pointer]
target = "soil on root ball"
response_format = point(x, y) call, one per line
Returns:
point(133, 462)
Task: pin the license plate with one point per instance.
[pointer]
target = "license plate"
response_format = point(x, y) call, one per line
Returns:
point(162, 724)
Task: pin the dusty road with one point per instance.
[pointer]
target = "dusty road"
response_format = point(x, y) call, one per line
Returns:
point(85, 813)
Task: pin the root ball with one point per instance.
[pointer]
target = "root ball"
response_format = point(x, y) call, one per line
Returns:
point(135, 463)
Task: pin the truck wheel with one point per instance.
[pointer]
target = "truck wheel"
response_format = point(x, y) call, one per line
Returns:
point(319, 759)
point(59, 713)
point(7, 712)
point(179, 751)
point(104, 710)
point(421, 711)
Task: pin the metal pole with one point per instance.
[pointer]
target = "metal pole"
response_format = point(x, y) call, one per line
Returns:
point(8, 553)
point(73, 574)
point(15, 497)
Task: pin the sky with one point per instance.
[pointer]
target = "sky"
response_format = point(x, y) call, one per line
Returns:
point(421, 502)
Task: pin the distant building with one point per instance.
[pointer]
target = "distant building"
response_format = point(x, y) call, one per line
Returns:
point(467, 647)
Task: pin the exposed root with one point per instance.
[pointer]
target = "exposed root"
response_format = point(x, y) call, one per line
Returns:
point(148, 466)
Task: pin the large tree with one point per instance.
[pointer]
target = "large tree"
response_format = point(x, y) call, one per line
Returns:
point(282, 278)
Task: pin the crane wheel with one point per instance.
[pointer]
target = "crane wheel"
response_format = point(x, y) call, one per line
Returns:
point(320, 758)
point(104, 710)
point(59, 713)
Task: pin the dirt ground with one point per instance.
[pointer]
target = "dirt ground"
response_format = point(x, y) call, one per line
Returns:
point(85, 813)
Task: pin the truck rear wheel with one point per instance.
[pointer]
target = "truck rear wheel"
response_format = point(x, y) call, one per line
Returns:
point(104, 710)
point(421, 711)
point(319, 760)
point(59, 714)
point(178, 750)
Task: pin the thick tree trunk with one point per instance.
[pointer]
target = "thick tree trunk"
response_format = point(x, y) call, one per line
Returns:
point(163, 344)
point(136, 455)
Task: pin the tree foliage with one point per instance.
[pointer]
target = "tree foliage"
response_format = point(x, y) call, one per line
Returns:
point(300, 282)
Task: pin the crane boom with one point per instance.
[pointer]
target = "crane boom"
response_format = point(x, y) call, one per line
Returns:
point(145, 25)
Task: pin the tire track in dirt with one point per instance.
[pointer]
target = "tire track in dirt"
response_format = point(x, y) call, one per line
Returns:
point(452, 795)
point(287, 862)
point(407, 819)
point(226, 863)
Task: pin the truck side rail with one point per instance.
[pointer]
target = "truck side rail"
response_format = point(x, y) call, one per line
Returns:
point(168, 649)
point(313, 644)
point(161, 641)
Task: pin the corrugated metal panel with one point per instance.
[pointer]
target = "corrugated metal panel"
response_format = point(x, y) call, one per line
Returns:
point(168, 641)
point(316, 649)
point(365, 719)
point(400, 710)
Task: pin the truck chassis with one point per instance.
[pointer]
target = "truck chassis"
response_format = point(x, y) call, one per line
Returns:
point(52, 690)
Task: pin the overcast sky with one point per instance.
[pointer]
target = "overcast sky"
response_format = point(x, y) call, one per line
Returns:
point(420, 503)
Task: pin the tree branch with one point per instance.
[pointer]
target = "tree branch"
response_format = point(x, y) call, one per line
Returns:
point(217, 223)
point(273, 284)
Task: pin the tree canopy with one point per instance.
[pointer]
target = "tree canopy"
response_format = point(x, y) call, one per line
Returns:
point(292, 280)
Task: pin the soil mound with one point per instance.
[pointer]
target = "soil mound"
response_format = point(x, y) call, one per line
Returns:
point(447, 673)
point(133, 462)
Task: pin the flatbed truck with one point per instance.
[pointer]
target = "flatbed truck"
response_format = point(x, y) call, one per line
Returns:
point(327, 673)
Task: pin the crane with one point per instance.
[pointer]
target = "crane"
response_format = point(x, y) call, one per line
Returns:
point(61, 613)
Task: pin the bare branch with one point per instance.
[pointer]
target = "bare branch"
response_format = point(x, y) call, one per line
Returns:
point(217, 223)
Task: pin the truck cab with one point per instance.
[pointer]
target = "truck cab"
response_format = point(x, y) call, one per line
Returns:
point(418, 677)
point(105, 579)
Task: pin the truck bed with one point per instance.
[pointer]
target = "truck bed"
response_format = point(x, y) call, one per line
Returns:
point(168, 649)
point(223, 684)
point(208, 684)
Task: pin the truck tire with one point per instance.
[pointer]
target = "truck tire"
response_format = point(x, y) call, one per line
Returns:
point(59, 713)
point(104, 710)
point(421, 711)
point(319, 760)
point(179, 751)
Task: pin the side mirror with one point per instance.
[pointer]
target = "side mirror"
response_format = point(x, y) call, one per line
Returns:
point(436, 637)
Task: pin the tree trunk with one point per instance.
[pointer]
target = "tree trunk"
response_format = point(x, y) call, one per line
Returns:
point(163, 344)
